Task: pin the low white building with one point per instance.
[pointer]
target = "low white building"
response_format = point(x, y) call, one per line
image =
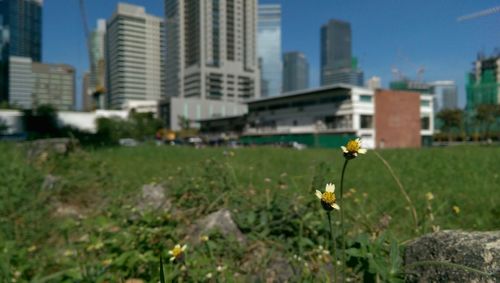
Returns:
point(329, 116)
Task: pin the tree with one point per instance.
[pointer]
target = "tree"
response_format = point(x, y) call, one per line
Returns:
point(486, 116)
point(452, 120)
point(41, 122)
point(139, 126)
point(144, 125)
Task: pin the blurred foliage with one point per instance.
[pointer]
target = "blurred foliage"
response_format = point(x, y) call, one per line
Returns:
point(139, 126)
point(41, 122)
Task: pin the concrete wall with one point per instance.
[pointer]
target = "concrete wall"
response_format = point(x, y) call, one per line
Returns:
point(397, 119)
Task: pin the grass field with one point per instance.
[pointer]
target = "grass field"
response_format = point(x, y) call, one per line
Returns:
point(270, 192)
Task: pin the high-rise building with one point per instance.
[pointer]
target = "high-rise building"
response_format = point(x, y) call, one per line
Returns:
point(337, 63)
point(212, 49)
point(445, 95)
point(21, 35)
point(269, 49)
point(97, 75)
point(32, 84)
point(134, 56)
point(295, 71)
point(54, 85)
point(211, 59)
point(483, 86)
point(374, 83)
point(336, 46)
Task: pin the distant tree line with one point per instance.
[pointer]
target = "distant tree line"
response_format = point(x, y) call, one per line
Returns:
point(482, 123)
point(42, 122)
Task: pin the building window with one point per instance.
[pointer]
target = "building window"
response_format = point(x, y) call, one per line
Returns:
point(426, 103)
point(425, 123)
point(339, 122)
point(366, 121)
point(365, 98)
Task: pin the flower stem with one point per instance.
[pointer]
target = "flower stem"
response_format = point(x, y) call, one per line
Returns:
point(333, 244)
point(342, 236)
point(401, 188)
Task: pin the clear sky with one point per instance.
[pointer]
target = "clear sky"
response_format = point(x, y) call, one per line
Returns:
point(386, 34)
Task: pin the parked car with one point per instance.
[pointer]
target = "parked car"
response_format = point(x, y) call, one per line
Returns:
point(128, 142)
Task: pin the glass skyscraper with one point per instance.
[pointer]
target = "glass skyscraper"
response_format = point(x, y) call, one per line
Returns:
point(21, 26)
point(337, 62)
point(335, 50)
point(269, 49)
point(295, 71)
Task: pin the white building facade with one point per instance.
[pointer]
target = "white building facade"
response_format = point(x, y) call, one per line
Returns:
point(134, 56)
point(211, 49)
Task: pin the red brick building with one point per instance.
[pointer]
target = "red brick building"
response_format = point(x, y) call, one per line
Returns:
point(397, 119)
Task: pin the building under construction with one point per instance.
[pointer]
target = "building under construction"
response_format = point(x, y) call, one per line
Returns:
point(483, 85)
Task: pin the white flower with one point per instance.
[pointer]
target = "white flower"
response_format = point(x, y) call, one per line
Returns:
point(328, 197)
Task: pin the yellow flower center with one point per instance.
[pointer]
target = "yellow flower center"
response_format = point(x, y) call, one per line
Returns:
point(328, 197)
point(177, 251)
point(353, 146)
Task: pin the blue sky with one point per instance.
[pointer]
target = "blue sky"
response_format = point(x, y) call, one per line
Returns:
point(385, 33)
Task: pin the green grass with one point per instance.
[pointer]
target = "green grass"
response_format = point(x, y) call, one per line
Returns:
point(269, 190)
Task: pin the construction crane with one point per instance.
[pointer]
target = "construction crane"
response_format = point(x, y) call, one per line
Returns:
point(98, 87)
point(479, 14)
point(397, 73)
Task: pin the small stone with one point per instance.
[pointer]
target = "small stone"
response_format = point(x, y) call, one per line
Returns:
point(220, 220)
point(40, 150)
point(153, 198)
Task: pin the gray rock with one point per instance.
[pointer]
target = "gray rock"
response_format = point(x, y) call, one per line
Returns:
point(42, 149)
point(477, 250)
point(220, 220)
point(153, 198)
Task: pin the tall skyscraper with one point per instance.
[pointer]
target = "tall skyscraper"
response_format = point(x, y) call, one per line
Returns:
point(211, 49)
point(295, 71)
point(445, 95)
point(134, 56)
point(335, 50)
point(337, 63)
point(97, 75)
point(269, 49)
point(21, 35)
